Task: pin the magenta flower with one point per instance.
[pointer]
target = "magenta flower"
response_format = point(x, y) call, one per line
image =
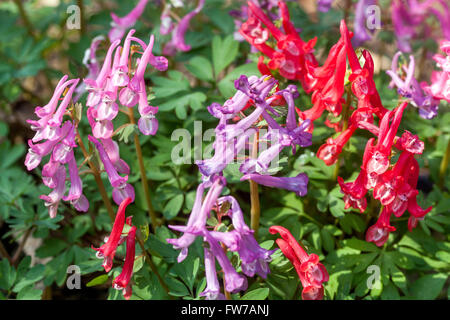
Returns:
point(120, 25)
point(52, 200)
point(121, 189)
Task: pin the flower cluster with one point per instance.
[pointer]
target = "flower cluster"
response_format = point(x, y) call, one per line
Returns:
point(311, 272)
point(409, 87)
point(231, 139)
point(254, 259)
point(409, 18)
point(395, 186)
point(56, 138)
point(117, 80)
point(108, 250)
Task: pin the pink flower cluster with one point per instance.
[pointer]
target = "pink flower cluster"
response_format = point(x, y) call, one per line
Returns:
point(56, 138)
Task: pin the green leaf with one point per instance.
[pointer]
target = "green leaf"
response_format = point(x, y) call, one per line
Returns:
point(7, 275)
point(226, 85)
point(173, 207)
point(29, 293)
point(428, 287)
point(201, 68)
point(223, 52)
point(257, 294)
point(32, 276)
point(97, 280)
point(360, 245)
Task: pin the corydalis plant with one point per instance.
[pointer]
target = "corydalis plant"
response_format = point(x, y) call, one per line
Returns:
point(56, 138)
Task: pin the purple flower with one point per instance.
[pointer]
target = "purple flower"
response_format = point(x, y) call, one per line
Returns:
point(177, 42)
point(212, 290)
point(409, 88)
point(324, 5)
point(234, 282)
point(120, 25)
point(361, 33)
point(298, 184)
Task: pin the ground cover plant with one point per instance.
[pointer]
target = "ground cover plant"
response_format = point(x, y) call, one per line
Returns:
point(206, 149)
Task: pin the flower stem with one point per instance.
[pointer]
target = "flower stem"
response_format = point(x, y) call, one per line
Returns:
point(151, 210)
point(345, 115)
point(444, 165)
point(255, 209)
point(152, 266)
point(4, 253)
point(25, 19)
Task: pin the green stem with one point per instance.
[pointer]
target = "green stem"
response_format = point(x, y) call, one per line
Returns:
point(82, 20)
point(5, 253)
point(25, 19)
point(98, 179)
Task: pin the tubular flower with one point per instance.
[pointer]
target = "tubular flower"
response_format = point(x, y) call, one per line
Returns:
point(177, 43)
point(330, 151)
point(120, 25)
point(409, 88)
point(108, 250)
point(59, 142)
point(311, 272)
point(122, 281)
point(254, 259)
point(379, 232)
point(121, 189)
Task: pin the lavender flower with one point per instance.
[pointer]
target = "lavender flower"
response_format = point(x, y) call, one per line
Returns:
point(410, 88)
point(298, 184)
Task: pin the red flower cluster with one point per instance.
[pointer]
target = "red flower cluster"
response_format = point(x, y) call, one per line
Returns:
point(311, 272)
point(108, 250)
point(394, 186)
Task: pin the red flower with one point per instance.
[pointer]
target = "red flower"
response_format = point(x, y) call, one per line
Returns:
point(108, 250)
point(329, 152)
point(122, 281)
point(379, 161)
point(379, 232)
point(311, 272)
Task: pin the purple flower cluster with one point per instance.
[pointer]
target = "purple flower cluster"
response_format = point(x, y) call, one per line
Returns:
point(409, 87)
point(409, 20)
point(57, 138)
point(231, 139)
point(254, 259)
